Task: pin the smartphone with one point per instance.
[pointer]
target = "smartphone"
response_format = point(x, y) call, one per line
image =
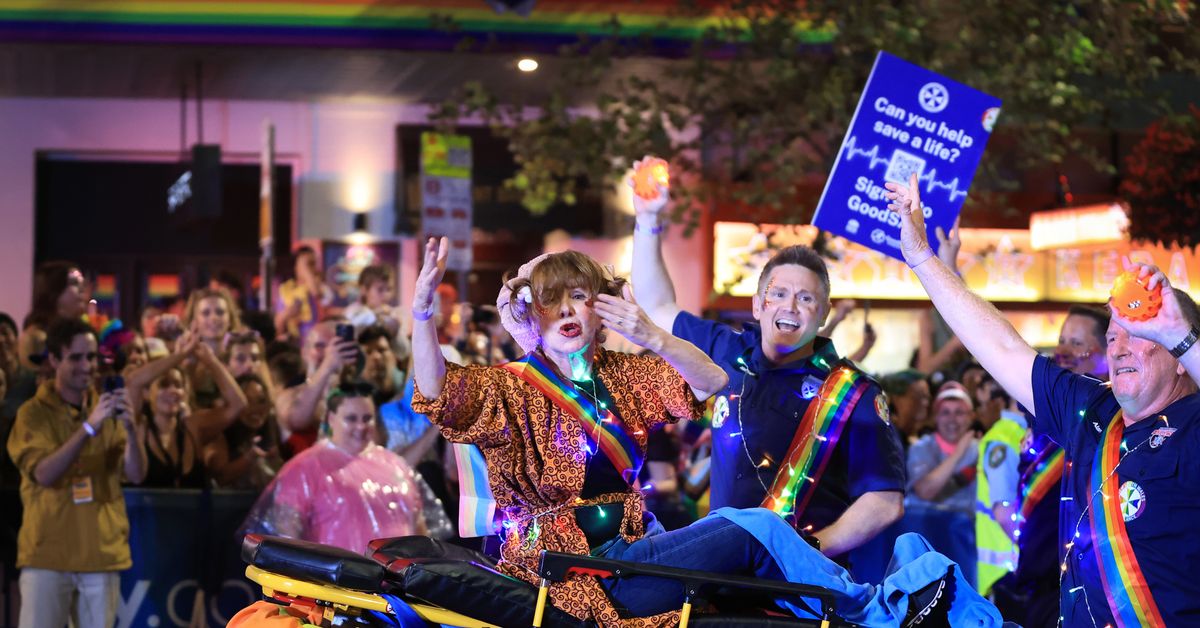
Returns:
point(113, 382)
point(345, 332)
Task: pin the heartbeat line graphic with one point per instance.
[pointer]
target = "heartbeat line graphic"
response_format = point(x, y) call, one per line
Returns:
point(951, 187)
point(852, 151)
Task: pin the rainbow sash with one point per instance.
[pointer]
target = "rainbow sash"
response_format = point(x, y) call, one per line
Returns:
point(1125, 587)
point(602, 425)
point(815, 440)
point(1042, 475)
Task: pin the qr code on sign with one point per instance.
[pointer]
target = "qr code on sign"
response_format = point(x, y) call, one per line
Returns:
point(903, 166)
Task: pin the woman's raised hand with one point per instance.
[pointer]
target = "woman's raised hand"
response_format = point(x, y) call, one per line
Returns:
point(432, 271)
point(624, 316)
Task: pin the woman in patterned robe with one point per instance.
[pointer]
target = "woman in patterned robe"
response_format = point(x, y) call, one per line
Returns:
point(562, 431)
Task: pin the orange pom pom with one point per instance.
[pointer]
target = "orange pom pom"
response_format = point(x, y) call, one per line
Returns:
point(650, 174)
point(1132, 300)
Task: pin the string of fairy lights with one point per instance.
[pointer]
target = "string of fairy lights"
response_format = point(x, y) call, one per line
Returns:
point(534, 530)
point(765, 462)
point(1070, 545)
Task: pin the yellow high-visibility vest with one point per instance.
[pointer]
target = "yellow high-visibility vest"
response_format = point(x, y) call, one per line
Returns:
point(996, 553)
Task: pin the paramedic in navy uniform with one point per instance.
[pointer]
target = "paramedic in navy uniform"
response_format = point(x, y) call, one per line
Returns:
point(1130, 552)
point(775, 368)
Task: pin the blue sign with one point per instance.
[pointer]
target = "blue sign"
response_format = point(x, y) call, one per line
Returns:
point(908, 120)
point(186, 558)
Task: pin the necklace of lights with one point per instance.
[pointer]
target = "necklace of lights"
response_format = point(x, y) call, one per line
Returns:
point(581, 371)
point(766, 462)
point(1070, 546)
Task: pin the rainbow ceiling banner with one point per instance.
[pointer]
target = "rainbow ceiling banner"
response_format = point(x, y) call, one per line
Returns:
point(398, 24)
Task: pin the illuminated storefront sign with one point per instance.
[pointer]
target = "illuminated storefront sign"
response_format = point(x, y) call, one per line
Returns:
point(998, 264)
point(1078, 226)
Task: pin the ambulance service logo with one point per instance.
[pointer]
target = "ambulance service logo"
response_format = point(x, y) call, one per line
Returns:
point(1133, 500)
point(720, 412)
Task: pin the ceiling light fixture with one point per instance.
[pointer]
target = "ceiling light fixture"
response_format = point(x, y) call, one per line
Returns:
point(527, 65)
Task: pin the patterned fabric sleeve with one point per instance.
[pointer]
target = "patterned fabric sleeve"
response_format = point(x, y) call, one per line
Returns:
point(471, 407)
point(660, 390)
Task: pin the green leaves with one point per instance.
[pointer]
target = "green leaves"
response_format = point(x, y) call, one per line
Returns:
point(754, 114)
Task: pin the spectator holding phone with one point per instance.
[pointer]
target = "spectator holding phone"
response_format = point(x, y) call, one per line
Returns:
point(379, 364)
point(300, 408)
point(73, 447)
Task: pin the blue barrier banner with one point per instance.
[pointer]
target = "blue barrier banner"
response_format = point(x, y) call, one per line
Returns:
point(909, 120)
point(183, 543)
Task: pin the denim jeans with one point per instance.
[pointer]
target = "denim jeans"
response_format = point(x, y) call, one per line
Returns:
point(712, 544)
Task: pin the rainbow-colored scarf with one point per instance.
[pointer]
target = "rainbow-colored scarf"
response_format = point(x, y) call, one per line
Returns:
point(1125, 587)
point(815, 440)
point(476, 504)
point(600, 424)
point(1042, 475)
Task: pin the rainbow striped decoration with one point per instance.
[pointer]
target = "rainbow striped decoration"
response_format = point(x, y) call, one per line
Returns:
point(1043, 474)
point(476, 505)
point(104, 288)
point(400, 24)
point(162, 286)
point(1125, 586)
point(600, 424)
point(815, 441)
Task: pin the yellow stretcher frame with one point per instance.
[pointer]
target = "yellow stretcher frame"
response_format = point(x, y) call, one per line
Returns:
point(346, 598)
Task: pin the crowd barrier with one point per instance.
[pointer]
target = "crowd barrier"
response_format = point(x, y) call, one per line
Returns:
point(185, 557)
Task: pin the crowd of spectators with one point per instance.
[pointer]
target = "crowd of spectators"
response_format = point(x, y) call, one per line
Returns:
point(205, 394)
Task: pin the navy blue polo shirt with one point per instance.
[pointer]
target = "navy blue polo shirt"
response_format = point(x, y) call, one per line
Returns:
point(756, 416)
point(1162, 516)
point(1040, 551)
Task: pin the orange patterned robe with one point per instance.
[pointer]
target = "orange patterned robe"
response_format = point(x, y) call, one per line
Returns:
point(536, 466)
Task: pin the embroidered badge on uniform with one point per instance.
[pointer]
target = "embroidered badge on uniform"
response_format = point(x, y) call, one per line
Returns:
point(720, 412)
point(809, 387)
point(1133, 500)
point(881, 407)
point(997, 455)
point(1160, 436)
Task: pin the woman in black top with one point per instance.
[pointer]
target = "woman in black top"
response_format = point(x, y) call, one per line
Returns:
point(172, 453)
point(176, 433)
